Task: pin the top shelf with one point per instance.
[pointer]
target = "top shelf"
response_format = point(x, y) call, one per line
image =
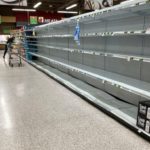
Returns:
point(111, 13)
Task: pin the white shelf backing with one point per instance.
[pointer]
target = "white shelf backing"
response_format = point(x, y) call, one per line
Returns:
point(131, 85)
point(121, 110)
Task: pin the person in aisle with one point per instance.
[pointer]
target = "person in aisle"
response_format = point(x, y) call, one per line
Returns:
point(8, 45)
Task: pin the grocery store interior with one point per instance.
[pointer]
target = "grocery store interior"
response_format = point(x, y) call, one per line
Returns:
point(74, 74)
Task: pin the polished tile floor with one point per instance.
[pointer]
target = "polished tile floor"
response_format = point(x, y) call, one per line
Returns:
point(37, 113)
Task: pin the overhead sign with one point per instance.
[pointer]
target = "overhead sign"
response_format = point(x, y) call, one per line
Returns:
point(6, 31)
point(97, 4)
point(50, 20)
point(14, 2)
point(8, 19)
point(33, 20)
point(40, 19)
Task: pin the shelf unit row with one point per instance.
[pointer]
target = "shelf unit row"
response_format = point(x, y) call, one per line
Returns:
point(116, 38)
point(131, 85)
point(28, 31)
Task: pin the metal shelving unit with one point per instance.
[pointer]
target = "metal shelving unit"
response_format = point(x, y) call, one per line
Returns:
point(113, 54)
point(94, 34)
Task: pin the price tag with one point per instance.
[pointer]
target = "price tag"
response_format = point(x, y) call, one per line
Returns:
point(103, 81)
point(129, 58)
point(147, 127)
point(148, 31)
point(148, 113)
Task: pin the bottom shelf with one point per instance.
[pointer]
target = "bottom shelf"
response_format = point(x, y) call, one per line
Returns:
point(124, 112)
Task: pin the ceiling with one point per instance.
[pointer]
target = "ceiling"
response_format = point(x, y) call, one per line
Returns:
point(47, 6)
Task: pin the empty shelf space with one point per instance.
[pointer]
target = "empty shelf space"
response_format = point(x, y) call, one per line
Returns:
point(51, 36)
point(116, 33)
point(129, 84)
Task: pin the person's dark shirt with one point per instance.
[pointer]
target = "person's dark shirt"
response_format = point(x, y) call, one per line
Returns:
point(10, 40)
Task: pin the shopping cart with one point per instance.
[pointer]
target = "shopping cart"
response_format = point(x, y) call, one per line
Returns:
point(14, 55)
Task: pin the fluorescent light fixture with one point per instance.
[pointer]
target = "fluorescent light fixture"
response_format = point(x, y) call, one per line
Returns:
point(72, 6)
point(37, 5)
point(19, 9)
point(130, 2)
point(67, 12)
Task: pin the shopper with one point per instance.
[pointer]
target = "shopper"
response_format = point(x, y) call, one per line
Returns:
point(8, 45)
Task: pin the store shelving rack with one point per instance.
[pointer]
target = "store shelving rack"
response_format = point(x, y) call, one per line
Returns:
point(113, 56)
point(28, 40)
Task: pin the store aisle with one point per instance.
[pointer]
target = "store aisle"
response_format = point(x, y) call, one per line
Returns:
point(37, 113)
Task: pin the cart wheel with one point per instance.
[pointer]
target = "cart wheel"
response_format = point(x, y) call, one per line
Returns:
point(19, 65)
point(11, 65)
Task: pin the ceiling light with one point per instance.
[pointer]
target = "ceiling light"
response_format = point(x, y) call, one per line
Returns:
point(37, 5)
point(50, 6)
point(72, 6)
point(19, 9)
point(67, 12)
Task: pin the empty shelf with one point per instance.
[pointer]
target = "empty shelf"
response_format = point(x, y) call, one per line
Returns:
point(132, 85)
point(95, 34)
point(96, 52)
point(108, 101)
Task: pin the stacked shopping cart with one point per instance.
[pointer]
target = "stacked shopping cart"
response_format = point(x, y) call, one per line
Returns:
point(15, 54)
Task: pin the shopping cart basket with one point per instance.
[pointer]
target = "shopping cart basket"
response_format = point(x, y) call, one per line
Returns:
point(14, 55)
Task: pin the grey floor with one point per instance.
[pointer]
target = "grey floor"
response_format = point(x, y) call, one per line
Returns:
point(37, 113)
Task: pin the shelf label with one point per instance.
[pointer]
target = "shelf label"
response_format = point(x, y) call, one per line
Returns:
point(147, 127)
point(148, 31)
point(148, 113)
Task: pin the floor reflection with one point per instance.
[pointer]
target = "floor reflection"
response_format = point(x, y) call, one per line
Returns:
point(6, 121)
